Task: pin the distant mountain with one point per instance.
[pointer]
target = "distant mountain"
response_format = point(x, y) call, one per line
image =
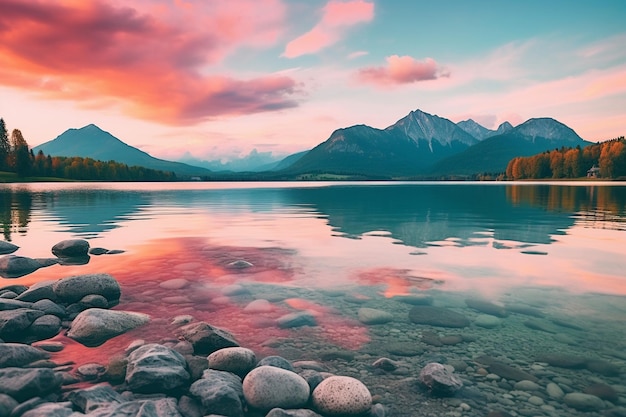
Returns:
point(503, 128)
point(480, 132)
point(493, 154)
point(92, 142)
point(255, 161)
point(409, 147)
point(286, 162)
point(475, 129)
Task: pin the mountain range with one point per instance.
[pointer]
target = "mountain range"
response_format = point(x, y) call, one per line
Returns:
point(426, 145)
point(420, 145)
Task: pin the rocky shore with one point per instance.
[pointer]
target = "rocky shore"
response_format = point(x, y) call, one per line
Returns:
point(434, 361)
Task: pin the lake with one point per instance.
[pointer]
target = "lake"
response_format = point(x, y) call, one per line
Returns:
point(537, 269)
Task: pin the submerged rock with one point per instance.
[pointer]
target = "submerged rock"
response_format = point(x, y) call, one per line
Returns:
point(505, 371)
point(583, 402)
point(374, 316)
point(299, 319)
point(206, 339)
point(437, 316)
point(486, 307)
point(439, 380)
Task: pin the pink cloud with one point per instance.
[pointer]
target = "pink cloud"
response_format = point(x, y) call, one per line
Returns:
point(151, 61)
point(402, 70)
point(337, 17)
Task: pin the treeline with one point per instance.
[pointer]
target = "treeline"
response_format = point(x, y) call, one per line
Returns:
point(16, 156)
point(609, 157)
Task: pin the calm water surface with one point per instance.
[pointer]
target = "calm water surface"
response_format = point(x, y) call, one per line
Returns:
point(333, 248)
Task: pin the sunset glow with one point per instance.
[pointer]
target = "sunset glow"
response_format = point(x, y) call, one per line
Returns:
point(219, 79)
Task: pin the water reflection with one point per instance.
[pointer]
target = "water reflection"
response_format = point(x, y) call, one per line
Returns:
point(417, 215)
point(15, 208)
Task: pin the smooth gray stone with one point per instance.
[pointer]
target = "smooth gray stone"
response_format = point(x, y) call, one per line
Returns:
point(268, 387)
point(71, 248)
point(23, 384)
point(12, 304)
point(277, 361)
point(45, 327)
point(206, 339)
point(72, 289)
point(13, 323)
point(49, 307)
point(237, 360)
point(63, 409)
point(13, 266)
point(156, 368)
point(7, 247)
point(89, 399)
point(7, 405)
point(220, 393)
point(17, 354)
point(163, 407)
point(39, 291)
point(301, 412)
point(583, 402)
point(95, 326)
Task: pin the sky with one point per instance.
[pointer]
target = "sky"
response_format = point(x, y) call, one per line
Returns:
point(215, 79)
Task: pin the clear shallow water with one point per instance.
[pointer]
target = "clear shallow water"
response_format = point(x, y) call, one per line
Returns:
point(333, 248)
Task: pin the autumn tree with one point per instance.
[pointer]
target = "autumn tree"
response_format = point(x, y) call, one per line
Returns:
point(19, 156)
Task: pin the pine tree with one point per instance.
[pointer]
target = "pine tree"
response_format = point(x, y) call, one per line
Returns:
point(4, 145)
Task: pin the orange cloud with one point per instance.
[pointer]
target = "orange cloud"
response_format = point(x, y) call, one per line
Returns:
point(402, 70)
point(152, 62)
point(337, 17)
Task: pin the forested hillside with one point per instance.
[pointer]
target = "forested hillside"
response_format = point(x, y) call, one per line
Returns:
point(609, 157)
point(17, 157)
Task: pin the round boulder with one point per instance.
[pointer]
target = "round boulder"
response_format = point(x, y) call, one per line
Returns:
point(237, 360)
point(71, 248)
point(73, 289)
point(95, 326)
point(268, 387)
point(341, 395)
